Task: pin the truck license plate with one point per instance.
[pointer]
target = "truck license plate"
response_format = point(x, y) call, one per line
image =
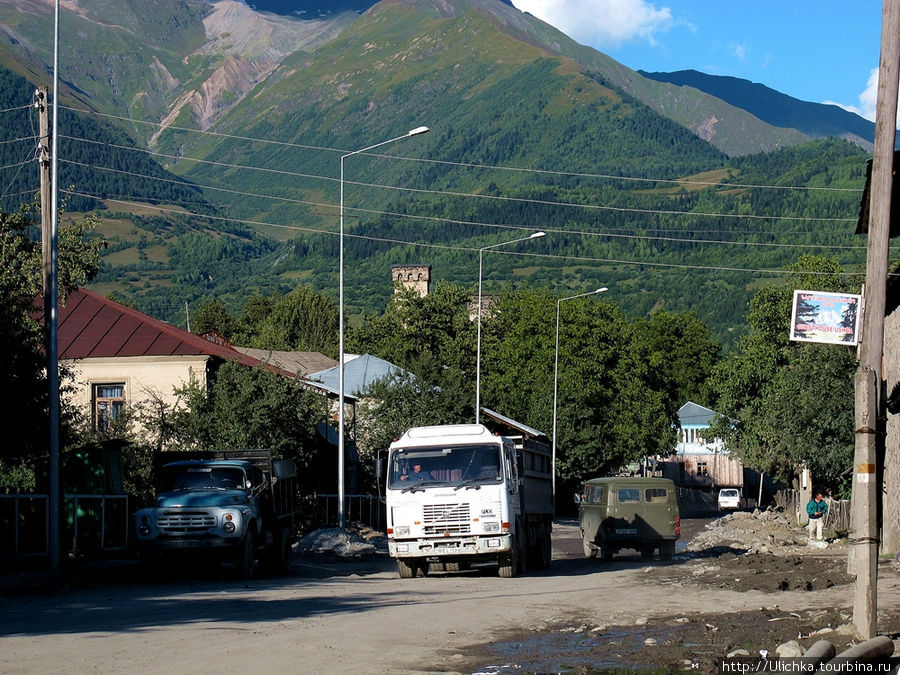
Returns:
point(446, 550)
point(627, 530)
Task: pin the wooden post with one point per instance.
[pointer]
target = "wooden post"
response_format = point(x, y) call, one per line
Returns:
point(870, 403)
point(864, 531)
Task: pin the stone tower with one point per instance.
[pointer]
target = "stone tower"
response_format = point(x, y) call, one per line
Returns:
point(416, 277)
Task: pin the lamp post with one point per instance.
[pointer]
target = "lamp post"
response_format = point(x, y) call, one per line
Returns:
point(536, 235)
point(556, 379)
point(340, 505)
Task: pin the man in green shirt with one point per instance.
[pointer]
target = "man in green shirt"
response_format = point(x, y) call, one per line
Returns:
point(816, 510)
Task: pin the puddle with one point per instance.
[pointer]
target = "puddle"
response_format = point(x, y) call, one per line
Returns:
point(618, 650)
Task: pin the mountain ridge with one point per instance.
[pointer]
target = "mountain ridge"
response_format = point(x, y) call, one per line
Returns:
point(198, 60)
point(818, 120)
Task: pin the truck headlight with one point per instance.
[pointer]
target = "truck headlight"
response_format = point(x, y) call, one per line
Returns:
point(144, 528)
point(401, 531)
point(228, 527)
point(491, 526)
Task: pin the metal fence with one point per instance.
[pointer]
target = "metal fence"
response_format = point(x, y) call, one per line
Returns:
point(91, 524)
point(24, 525)
point(837, 518)
point(366, 509)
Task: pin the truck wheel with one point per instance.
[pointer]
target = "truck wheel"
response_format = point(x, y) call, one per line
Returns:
point(247, 561)
point(589, 551)
point(407, 568)
point(284, 549)
point(547, 546)
point(523, 549)
point(508, 564)
point(666, 550)
point(606, 552)
point(509, 561)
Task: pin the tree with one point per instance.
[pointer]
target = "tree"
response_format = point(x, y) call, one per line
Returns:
point(611, 406)
point(682, 349)
point(432, 337)
point(245, 408)
point(213, 316)
point(22, 359)
point(784, 404)
point(302, 320)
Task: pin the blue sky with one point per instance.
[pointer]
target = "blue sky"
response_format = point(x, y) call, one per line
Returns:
point(824, 51)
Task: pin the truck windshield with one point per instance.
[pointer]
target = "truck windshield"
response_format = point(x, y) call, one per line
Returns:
point(202, 478)
point(454, 466)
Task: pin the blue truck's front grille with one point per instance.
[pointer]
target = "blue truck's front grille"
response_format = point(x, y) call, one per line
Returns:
point(176, 522)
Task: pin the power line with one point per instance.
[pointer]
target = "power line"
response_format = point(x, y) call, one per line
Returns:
point(471, 249)
point(572, 174)
point(600, 207)
point(612, 235)
point(669, 212)
point(21, 107)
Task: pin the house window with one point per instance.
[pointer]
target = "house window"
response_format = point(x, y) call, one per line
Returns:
point(109, 403)
point(701, 469)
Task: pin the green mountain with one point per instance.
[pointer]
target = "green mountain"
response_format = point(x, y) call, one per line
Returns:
point(643, 186)
point(188, 62)
point(817, 120)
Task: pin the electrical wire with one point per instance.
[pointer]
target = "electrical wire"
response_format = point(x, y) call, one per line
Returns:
point(572, 174)
point(470, 249)
point(611, 235)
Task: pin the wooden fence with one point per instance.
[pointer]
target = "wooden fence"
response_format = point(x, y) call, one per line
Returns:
point(837, 519)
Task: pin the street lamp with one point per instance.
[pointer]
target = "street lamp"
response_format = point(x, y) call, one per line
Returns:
point(536, 235)
point(340, 507)
point(555, 378)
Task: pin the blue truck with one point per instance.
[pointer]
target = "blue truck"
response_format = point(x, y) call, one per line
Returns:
point(238, 507)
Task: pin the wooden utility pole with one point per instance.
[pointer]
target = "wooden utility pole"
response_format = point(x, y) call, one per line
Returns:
point(48, 259)
point(870, 398)
point(41, 104)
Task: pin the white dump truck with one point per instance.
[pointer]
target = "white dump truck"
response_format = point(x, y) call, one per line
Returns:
point(458, 494)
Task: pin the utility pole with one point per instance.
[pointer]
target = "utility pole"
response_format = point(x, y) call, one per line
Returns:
point(48, 256)
point(41, 104)
point(869, 385)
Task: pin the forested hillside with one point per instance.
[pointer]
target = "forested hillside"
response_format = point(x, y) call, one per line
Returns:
point(522, 139)
point(96, 161)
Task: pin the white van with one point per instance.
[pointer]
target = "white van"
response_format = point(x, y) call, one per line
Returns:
point(730, 499)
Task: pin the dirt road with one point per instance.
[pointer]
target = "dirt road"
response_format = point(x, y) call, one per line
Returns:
point(356, 616)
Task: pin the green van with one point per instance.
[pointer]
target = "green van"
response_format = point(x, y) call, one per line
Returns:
point(636, 513)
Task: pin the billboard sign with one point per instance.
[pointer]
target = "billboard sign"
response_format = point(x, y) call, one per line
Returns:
point(831, 318)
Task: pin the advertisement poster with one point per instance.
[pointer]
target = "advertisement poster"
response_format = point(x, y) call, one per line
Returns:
point(832, 318)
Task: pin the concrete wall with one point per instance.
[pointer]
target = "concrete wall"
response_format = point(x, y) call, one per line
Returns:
point(146, 378)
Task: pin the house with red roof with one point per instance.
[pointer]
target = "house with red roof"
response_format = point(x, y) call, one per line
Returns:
point(122, 358)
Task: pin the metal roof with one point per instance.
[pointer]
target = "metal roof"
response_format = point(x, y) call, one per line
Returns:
point(695, 414)
point(91, 326)
point(359, 375)
point(518, 426)
point(299, 363)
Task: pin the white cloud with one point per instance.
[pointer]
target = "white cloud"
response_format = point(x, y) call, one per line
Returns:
point(601, 23)
point(739, 52)
point(868, 99)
